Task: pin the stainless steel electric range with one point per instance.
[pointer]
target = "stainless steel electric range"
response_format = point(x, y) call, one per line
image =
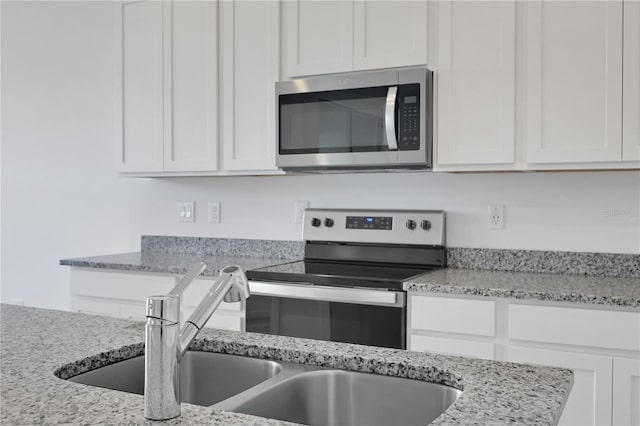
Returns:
point(349, 286)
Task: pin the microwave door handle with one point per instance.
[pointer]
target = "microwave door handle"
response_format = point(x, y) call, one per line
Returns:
point(389, 118)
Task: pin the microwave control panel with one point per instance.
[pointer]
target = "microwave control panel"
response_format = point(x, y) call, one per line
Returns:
point(409, 117)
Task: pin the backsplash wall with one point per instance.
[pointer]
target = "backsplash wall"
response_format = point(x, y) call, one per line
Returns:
point(568, 211)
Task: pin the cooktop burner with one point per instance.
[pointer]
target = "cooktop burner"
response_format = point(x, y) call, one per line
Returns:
point(340, 274)
point(375, 249)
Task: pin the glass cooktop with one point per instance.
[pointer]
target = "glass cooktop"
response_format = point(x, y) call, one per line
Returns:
point(355, 275)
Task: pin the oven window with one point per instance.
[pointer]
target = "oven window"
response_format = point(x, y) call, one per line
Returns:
point(338, 322)
point(334, 121)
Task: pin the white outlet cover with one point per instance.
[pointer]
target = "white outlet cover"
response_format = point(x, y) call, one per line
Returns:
point(214, 211)
point(496, 217)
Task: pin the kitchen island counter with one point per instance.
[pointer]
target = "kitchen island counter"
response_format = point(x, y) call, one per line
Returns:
point(37, 342)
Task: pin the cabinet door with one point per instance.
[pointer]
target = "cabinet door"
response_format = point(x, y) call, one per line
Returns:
point(191, 85)
point(389, 33)
point(589, 402)
point(573, 81)
point(626, 391)
point(250, 37)
point(139, 131)
point(631, 82)
point(476, 83)
point(319, 36)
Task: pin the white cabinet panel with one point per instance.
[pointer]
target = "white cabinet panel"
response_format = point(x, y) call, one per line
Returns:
point(453, 315)
point(191, 85)
point(139, 131)
point(626, 391)
point(476, 83)
point(573, 81)
point(569, 326)
point(470, 348)
point(117, 285)
point(589, 402)
point(95, 307)
point(133, 311)
point(389, 33)
point(250, 39)
point(631, 82)
point(319, 36)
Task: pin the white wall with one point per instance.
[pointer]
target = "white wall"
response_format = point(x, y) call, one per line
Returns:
point(574, 211)
point(61, 197)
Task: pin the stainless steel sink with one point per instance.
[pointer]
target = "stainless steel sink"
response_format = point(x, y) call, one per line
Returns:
point(337, 397)
point(205, 377)
point(288, 391)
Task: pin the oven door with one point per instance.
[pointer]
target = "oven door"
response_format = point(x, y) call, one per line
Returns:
point(362, 316)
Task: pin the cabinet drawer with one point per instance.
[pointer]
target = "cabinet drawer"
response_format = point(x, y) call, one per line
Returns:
point(136, 312)
point(95, 307)
point(484, 350)
point(116, 285)
point(571, 326)
point(453, 315)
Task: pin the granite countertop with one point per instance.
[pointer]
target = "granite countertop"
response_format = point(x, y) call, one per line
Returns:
point(616, 292)
point(37, 342)
point(169, 263)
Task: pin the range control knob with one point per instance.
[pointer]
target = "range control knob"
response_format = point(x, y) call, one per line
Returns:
point(411, 224)
point(316, 222)
point(328, 222)
point(425, 224)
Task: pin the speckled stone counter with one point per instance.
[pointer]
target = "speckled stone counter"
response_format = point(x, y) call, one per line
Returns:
point(174, 255)
point(613, 292)
point(37, 342)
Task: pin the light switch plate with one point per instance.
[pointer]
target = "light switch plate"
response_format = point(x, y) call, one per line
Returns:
point(186, 211)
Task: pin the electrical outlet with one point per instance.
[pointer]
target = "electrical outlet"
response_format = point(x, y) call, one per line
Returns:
point(496, 217)
point(214, 211)
point(300, 206)
point(186, 211)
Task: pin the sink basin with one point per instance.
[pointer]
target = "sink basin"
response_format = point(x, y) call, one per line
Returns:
point(288, 391)
point(337, 397)
point(201, 376)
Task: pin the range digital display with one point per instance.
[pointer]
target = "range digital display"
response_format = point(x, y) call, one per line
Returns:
point(370, 222)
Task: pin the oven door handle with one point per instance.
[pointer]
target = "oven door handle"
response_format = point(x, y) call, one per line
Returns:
point(329, 294)
point(389, 118)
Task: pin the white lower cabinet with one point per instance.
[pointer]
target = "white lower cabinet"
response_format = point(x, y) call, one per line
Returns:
point(626, 391)
point(601, 346)
point(590, 400)
point(123, 295)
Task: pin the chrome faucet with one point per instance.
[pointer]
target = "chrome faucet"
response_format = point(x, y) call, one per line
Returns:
point(166, 342)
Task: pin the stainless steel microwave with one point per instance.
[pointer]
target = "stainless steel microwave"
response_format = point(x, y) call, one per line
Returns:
point(379, 120)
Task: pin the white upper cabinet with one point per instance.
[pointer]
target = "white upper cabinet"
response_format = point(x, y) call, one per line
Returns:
point(191, 83)
point(173, 89)
point(476, 85)
point(319, 36)
point(389, 34)
point(140, 121)
point(325, 37)
point(169, 87)
point(250, 40)
point(631, 82)
point(572, 81)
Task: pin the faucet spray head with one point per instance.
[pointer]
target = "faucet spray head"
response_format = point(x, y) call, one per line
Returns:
point(240, 286)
